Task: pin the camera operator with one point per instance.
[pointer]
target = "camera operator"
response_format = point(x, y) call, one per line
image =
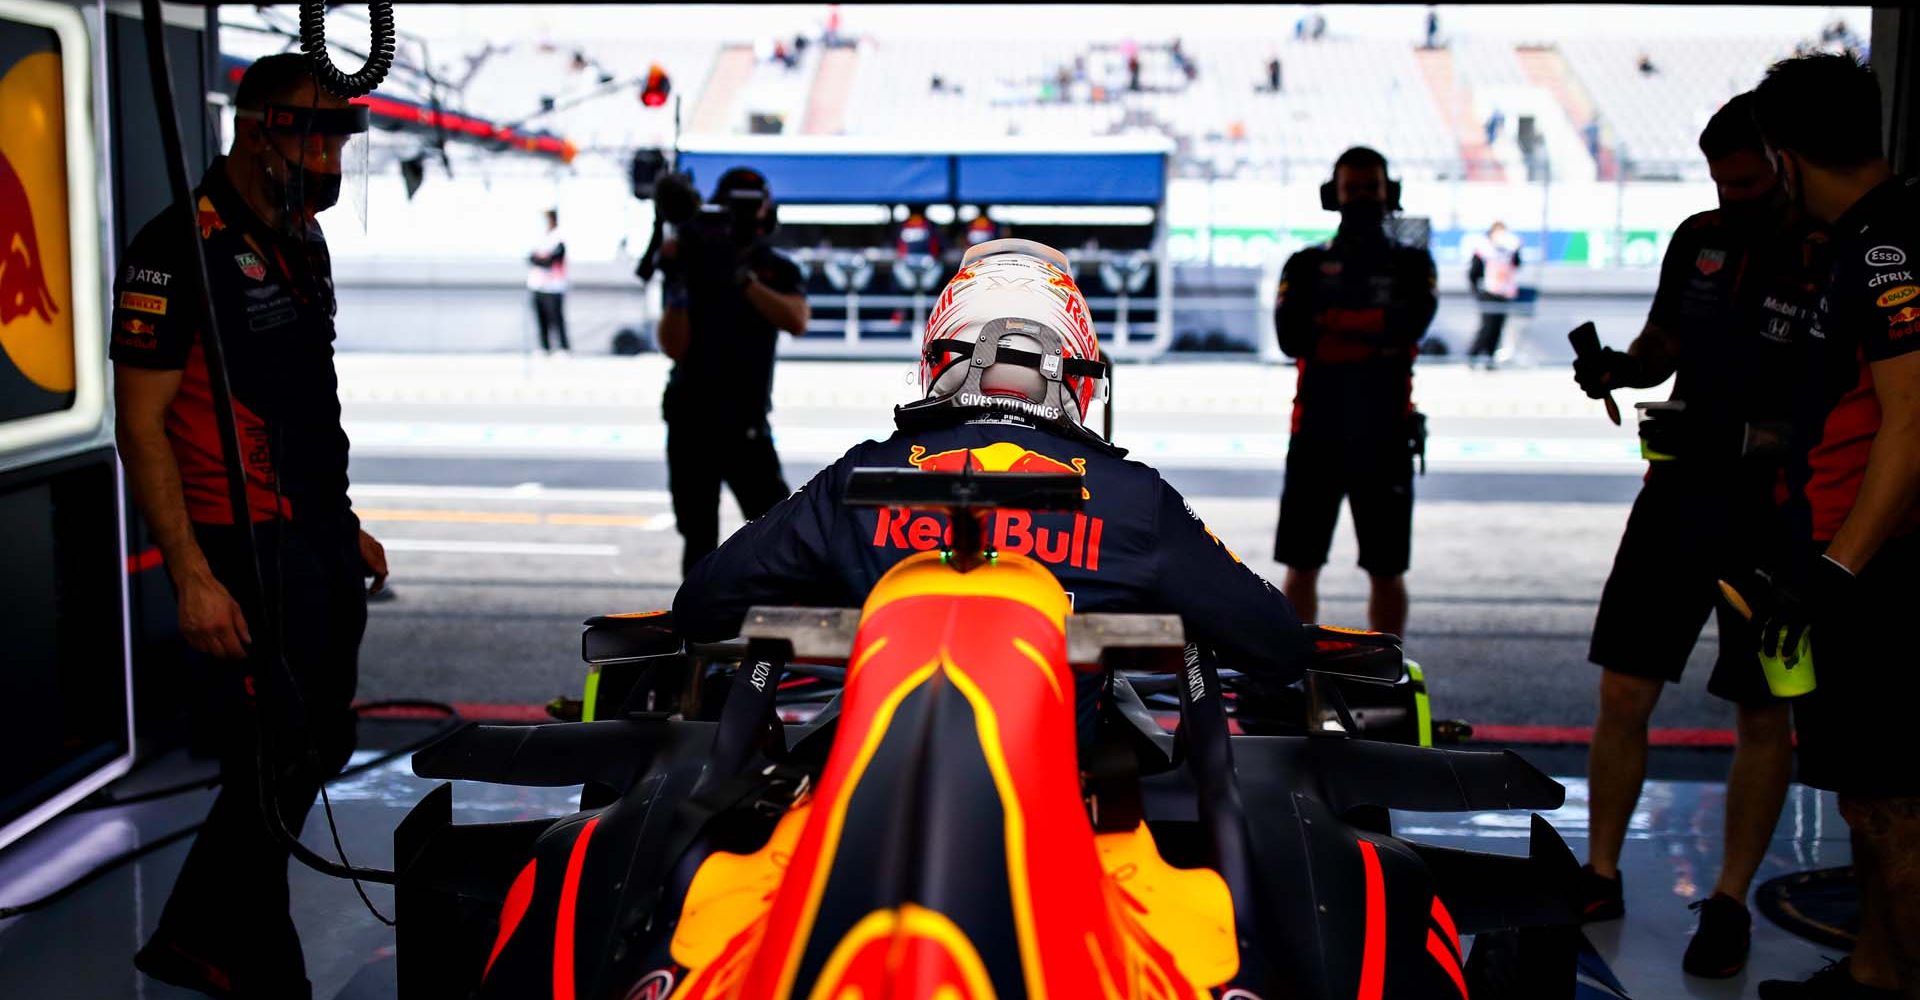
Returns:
point(727, 297)
point(1352, 311)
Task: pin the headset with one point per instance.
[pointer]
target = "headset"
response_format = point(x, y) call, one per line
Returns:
point(1359, 156)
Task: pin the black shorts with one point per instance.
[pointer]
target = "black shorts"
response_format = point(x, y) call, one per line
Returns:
point(1855, 728)
point(1680, 541)
point(1376, 481)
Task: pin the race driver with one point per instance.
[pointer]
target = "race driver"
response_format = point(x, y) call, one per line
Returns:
point(1820, 116)
point(226, 930)
point(1352, 312)
point(1732, 319)
point(1136, 546)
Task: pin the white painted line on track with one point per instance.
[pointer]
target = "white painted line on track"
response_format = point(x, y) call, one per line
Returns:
point(522, 492)
point(1173, 449)
point(497, 548)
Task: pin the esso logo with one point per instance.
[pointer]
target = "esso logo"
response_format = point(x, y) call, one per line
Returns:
point(1886, 256)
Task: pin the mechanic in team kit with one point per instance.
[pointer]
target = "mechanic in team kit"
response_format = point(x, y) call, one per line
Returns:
point(1855, 587)
point(1136, 546)
point(1731, 319)
point(728, 295)
point(1352, 312)
point(226, 928)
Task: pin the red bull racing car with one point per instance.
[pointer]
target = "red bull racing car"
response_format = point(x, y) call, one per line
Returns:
point(945, 829)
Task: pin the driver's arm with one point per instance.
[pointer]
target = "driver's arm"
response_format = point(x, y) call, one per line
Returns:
point(781, 557)
point(1224, 603)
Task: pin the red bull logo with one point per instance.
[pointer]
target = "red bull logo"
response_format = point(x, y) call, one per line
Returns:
point(137, 332)
point(1001, 456)
point(209, 218)
point(36, 284)
point(23, 283)
point(1907, 315)
point(1013, 531)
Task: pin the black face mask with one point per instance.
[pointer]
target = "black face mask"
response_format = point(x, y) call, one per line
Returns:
point(1362, 219)
point(302, 192)
point(1752, 215)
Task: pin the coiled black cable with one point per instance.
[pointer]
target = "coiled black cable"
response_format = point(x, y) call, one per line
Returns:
point(453, 722)
point(313, 42)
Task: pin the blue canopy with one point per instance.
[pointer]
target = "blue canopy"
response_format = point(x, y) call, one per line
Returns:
point(824, 173)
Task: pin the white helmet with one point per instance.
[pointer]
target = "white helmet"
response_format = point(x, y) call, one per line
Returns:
point(1010, 334)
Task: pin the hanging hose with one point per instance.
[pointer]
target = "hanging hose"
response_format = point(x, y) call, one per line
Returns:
point(313, 42)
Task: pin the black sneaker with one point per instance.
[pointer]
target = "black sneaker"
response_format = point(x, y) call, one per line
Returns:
point(1830, 983)
point(1719, 946)
point(1600, 896)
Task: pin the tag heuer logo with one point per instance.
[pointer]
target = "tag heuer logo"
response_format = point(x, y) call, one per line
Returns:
point(251, 266)
point(1710, 261)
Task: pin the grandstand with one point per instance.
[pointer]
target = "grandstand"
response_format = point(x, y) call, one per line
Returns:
point(1588, 110)
point(1651, 120)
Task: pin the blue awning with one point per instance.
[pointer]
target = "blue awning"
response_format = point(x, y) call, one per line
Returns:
point(813, 179)
point(1060, 179)
point(822, 174)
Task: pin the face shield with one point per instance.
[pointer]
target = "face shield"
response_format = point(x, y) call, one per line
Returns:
point(318, 158)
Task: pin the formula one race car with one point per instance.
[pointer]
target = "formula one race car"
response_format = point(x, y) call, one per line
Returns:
point(929, 835)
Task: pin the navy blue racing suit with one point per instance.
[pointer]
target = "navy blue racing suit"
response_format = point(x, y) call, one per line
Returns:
point(1135, 547)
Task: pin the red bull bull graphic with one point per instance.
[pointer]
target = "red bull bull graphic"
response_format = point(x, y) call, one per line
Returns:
point(1013, 531)
point(209, 218)
point(137, 332)
point(1906, 315)
point(36, 285)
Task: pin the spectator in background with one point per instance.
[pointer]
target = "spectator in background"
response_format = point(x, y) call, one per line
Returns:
point(1647, 68)
point(917, 235)
point(982, 229)
point(1182, 63)
point(1319, 25)
point(1273, 74)
point(1591, 133)
point(547, 280)
point(831, 36)
point(1433, 28)
point(1495, 276)
point(1495, 122)
point(1133, 72)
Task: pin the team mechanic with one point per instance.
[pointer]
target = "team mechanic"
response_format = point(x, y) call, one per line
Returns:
point(1352, 312)
point(728, 295)
point(1136, 545)
point(1732, 319)
point(1821, 119)
point(226, 930)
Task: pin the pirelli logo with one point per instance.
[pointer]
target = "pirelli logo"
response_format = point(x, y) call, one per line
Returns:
point(138, 302)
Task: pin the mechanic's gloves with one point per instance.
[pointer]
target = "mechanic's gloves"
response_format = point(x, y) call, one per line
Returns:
point(1785, 606)
point(1666, 435)
point(1599, 374)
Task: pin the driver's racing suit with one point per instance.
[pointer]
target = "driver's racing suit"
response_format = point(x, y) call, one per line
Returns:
point(1135, 547)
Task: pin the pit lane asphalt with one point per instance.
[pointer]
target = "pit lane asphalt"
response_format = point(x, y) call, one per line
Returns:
point(519, 497)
